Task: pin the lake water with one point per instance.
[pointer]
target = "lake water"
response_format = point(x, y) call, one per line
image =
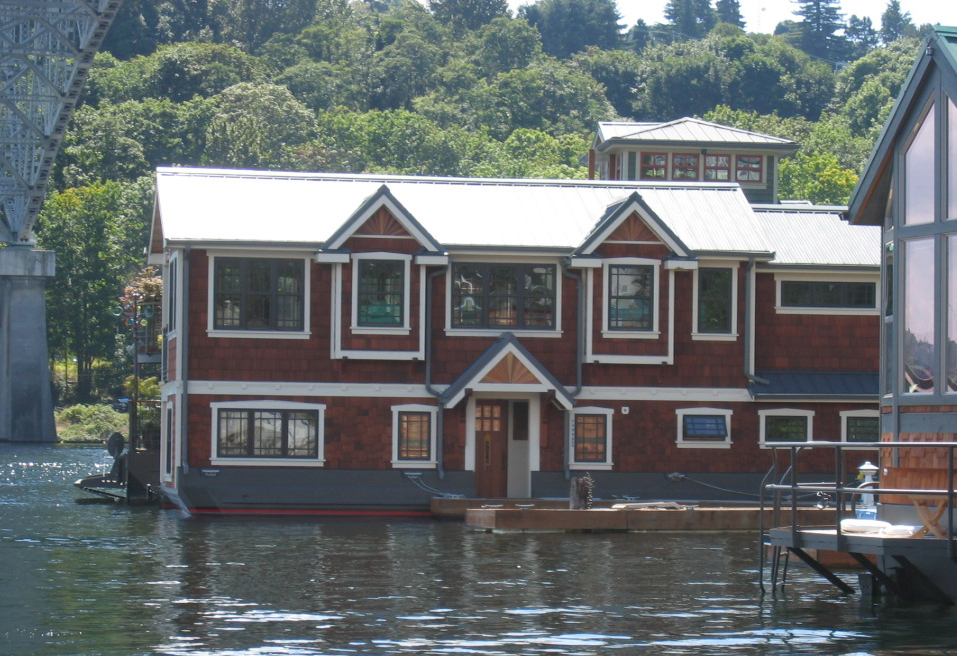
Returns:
point(93, 578)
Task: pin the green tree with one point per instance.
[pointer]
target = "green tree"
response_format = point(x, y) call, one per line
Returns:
point(616, 70)
point(817, 177)
point(691, 19)
point(503, 45)
point(895, 24)
point(464, 15)
point(819, 28)
point(85, 227)
point(253, 125)
point(729, 11)
point(861, 37)
point(569, 26)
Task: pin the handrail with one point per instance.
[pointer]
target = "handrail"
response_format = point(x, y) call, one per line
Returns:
point(841, 490)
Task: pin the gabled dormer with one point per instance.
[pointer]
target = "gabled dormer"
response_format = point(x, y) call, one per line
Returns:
point(689, 150)
point(379, 256)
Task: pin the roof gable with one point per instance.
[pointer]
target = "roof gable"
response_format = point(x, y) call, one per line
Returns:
point(937, 54)
point(370, 219)
point(506, 362)
point(632, 218)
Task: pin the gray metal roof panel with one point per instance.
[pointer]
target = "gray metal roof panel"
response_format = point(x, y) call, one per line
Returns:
point(687, 129)
point(255, 206)
point(812, 236)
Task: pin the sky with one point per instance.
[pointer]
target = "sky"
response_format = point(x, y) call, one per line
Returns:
point(764, 15)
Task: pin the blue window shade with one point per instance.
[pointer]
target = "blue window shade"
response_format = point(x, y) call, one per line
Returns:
point(705, 427)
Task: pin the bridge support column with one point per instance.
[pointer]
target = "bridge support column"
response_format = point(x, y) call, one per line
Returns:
point(26, 399)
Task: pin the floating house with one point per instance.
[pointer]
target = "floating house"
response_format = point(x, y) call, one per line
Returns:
point(689, 150)
point(909, 190)
point(363, 343)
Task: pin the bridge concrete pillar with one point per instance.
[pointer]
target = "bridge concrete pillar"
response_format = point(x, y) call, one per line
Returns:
point(26, 399)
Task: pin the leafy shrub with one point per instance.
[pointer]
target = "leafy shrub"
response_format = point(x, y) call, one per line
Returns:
point(89, 423)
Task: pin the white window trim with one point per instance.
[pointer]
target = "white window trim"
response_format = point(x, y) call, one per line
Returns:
point(834, 277)
point(682, 443)
point(608, 463)
point(845, 414)
point(266, 404)
point(406, 327)
point(493, 332)
point(609, 333)
point(785, 412)
point(432, 462)
point(715, 337)
point(171, 310)
point(258, 334)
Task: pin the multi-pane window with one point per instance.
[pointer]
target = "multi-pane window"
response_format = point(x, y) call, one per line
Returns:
point(785, 428)
point(252, 433)
point(823, 294)
point(717, 168)
point(503, 296)
point(415, 436)
point(631, 297)
point(654, 166)
point(748, 168)
point(258, 294)
point(708, 428)
point(714, 300)
point(380, 297)
point(862, 429)
point(684, 166)
point(591, 433)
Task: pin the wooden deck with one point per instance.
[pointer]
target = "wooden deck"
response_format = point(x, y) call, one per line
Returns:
point(683, 518)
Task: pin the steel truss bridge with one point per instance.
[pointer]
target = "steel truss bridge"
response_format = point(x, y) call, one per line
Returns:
point(46, 49)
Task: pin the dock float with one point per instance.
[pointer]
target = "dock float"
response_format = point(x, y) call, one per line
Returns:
point(624, 518)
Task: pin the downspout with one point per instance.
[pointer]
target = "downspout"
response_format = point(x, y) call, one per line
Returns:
point(183, 370)
point(580, 319)
point(749, 292)
point(440, 415)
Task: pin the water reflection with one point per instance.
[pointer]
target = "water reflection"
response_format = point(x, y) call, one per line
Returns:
point(101, 579)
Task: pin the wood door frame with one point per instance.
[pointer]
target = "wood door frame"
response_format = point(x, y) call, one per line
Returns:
point(535, 411)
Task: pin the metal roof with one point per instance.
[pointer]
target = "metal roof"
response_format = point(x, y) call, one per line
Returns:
point(818, 236)
point(231, 207)
point(810, 385)
point(686, 130)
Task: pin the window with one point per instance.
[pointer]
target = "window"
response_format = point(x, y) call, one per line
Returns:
point(715, 288)
point(263, 432)
point(258, 294)
point(748, 168)
point(171, 293)
point(684, 167)
point(654, 166)
point(786, 425)
point(704, 428)
point(919, 189)
point(951, 159)
point(591, 438)
point(632, 170)
point(413, 436)
point(919, 352)
point(381, 296)
point(860, 426)
point(168, 443)
point(631, 297)
point(951, 355)
point(717, 168)
point(503, 296)
point(828, 294)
